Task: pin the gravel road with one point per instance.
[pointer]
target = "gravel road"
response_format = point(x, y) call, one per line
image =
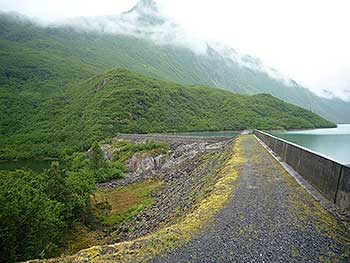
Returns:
point(270, 218)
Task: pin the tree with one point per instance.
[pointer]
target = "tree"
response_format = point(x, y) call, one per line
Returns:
point(97, 160)
point(30, 223)
point(80, 186)
point(56, 183)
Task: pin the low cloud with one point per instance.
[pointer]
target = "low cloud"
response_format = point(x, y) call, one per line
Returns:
point(143, 21)
point(146, 22)
point(311, 51)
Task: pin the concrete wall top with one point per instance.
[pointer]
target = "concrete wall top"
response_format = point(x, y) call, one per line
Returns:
point(301, 147)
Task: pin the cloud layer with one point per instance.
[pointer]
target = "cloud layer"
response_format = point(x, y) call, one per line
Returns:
point(305, 40)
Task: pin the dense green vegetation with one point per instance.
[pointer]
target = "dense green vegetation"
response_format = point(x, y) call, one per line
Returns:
point(36, 212)
point(102, 170)
point(43, 113)
point(25, 230)
point(37, 209)
point(40, 211)
point(120, 101)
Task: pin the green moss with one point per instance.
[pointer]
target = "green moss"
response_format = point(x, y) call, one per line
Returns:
point(126, 202)
point(295, 252)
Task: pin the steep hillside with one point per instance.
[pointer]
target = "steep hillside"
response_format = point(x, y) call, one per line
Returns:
point(132, 103)
point(35, 57)
point(119, 101)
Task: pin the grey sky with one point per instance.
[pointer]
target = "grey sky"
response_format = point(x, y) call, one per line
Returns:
point(306, 40)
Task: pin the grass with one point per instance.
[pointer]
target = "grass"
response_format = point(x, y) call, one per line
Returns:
point(124, 203)
point(110, 208)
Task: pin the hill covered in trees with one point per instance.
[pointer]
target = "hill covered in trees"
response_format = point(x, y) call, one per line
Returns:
point(120, 101)
point(38, 61)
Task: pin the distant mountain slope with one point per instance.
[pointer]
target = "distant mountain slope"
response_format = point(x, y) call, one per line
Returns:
point(34, 56)
point(126, 102)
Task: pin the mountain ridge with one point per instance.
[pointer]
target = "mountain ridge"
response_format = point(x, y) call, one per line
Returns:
point(213, 67)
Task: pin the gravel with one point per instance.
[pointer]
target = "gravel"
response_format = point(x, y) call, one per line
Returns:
point(268, 219)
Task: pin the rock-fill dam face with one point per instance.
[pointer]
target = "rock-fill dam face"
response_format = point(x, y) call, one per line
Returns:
point(329, 177)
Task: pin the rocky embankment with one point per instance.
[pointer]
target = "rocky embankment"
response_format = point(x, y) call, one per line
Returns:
point(187, 170)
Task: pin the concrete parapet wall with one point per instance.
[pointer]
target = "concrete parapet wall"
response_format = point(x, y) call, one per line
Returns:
point(329, 177)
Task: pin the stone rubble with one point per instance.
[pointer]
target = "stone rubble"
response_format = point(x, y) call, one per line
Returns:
point(187, 171)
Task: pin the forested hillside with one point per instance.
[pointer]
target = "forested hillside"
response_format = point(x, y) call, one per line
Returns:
point(120, 101)
point(34, 59)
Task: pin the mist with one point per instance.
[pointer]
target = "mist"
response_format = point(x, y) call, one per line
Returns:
point(143, 21)
point(303, 41)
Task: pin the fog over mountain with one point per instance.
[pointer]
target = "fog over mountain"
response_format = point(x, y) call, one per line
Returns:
point(146, 21)
point(305, 41)
point(147, 40)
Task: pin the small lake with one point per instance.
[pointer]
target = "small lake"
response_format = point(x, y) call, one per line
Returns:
point(35, 165)
point(333, 143)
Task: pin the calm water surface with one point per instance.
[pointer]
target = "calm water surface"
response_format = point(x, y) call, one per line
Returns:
point(333, 143)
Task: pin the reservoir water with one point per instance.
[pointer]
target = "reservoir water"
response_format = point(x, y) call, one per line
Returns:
point(333, 143)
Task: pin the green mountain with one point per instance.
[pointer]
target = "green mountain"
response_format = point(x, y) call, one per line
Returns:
point(120, 101)
point(46, 58)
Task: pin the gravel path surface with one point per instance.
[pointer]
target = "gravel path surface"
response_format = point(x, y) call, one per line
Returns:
point(270, 218)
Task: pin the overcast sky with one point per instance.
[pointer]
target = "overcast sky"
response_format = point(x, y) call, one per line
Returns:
point(308, 40)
